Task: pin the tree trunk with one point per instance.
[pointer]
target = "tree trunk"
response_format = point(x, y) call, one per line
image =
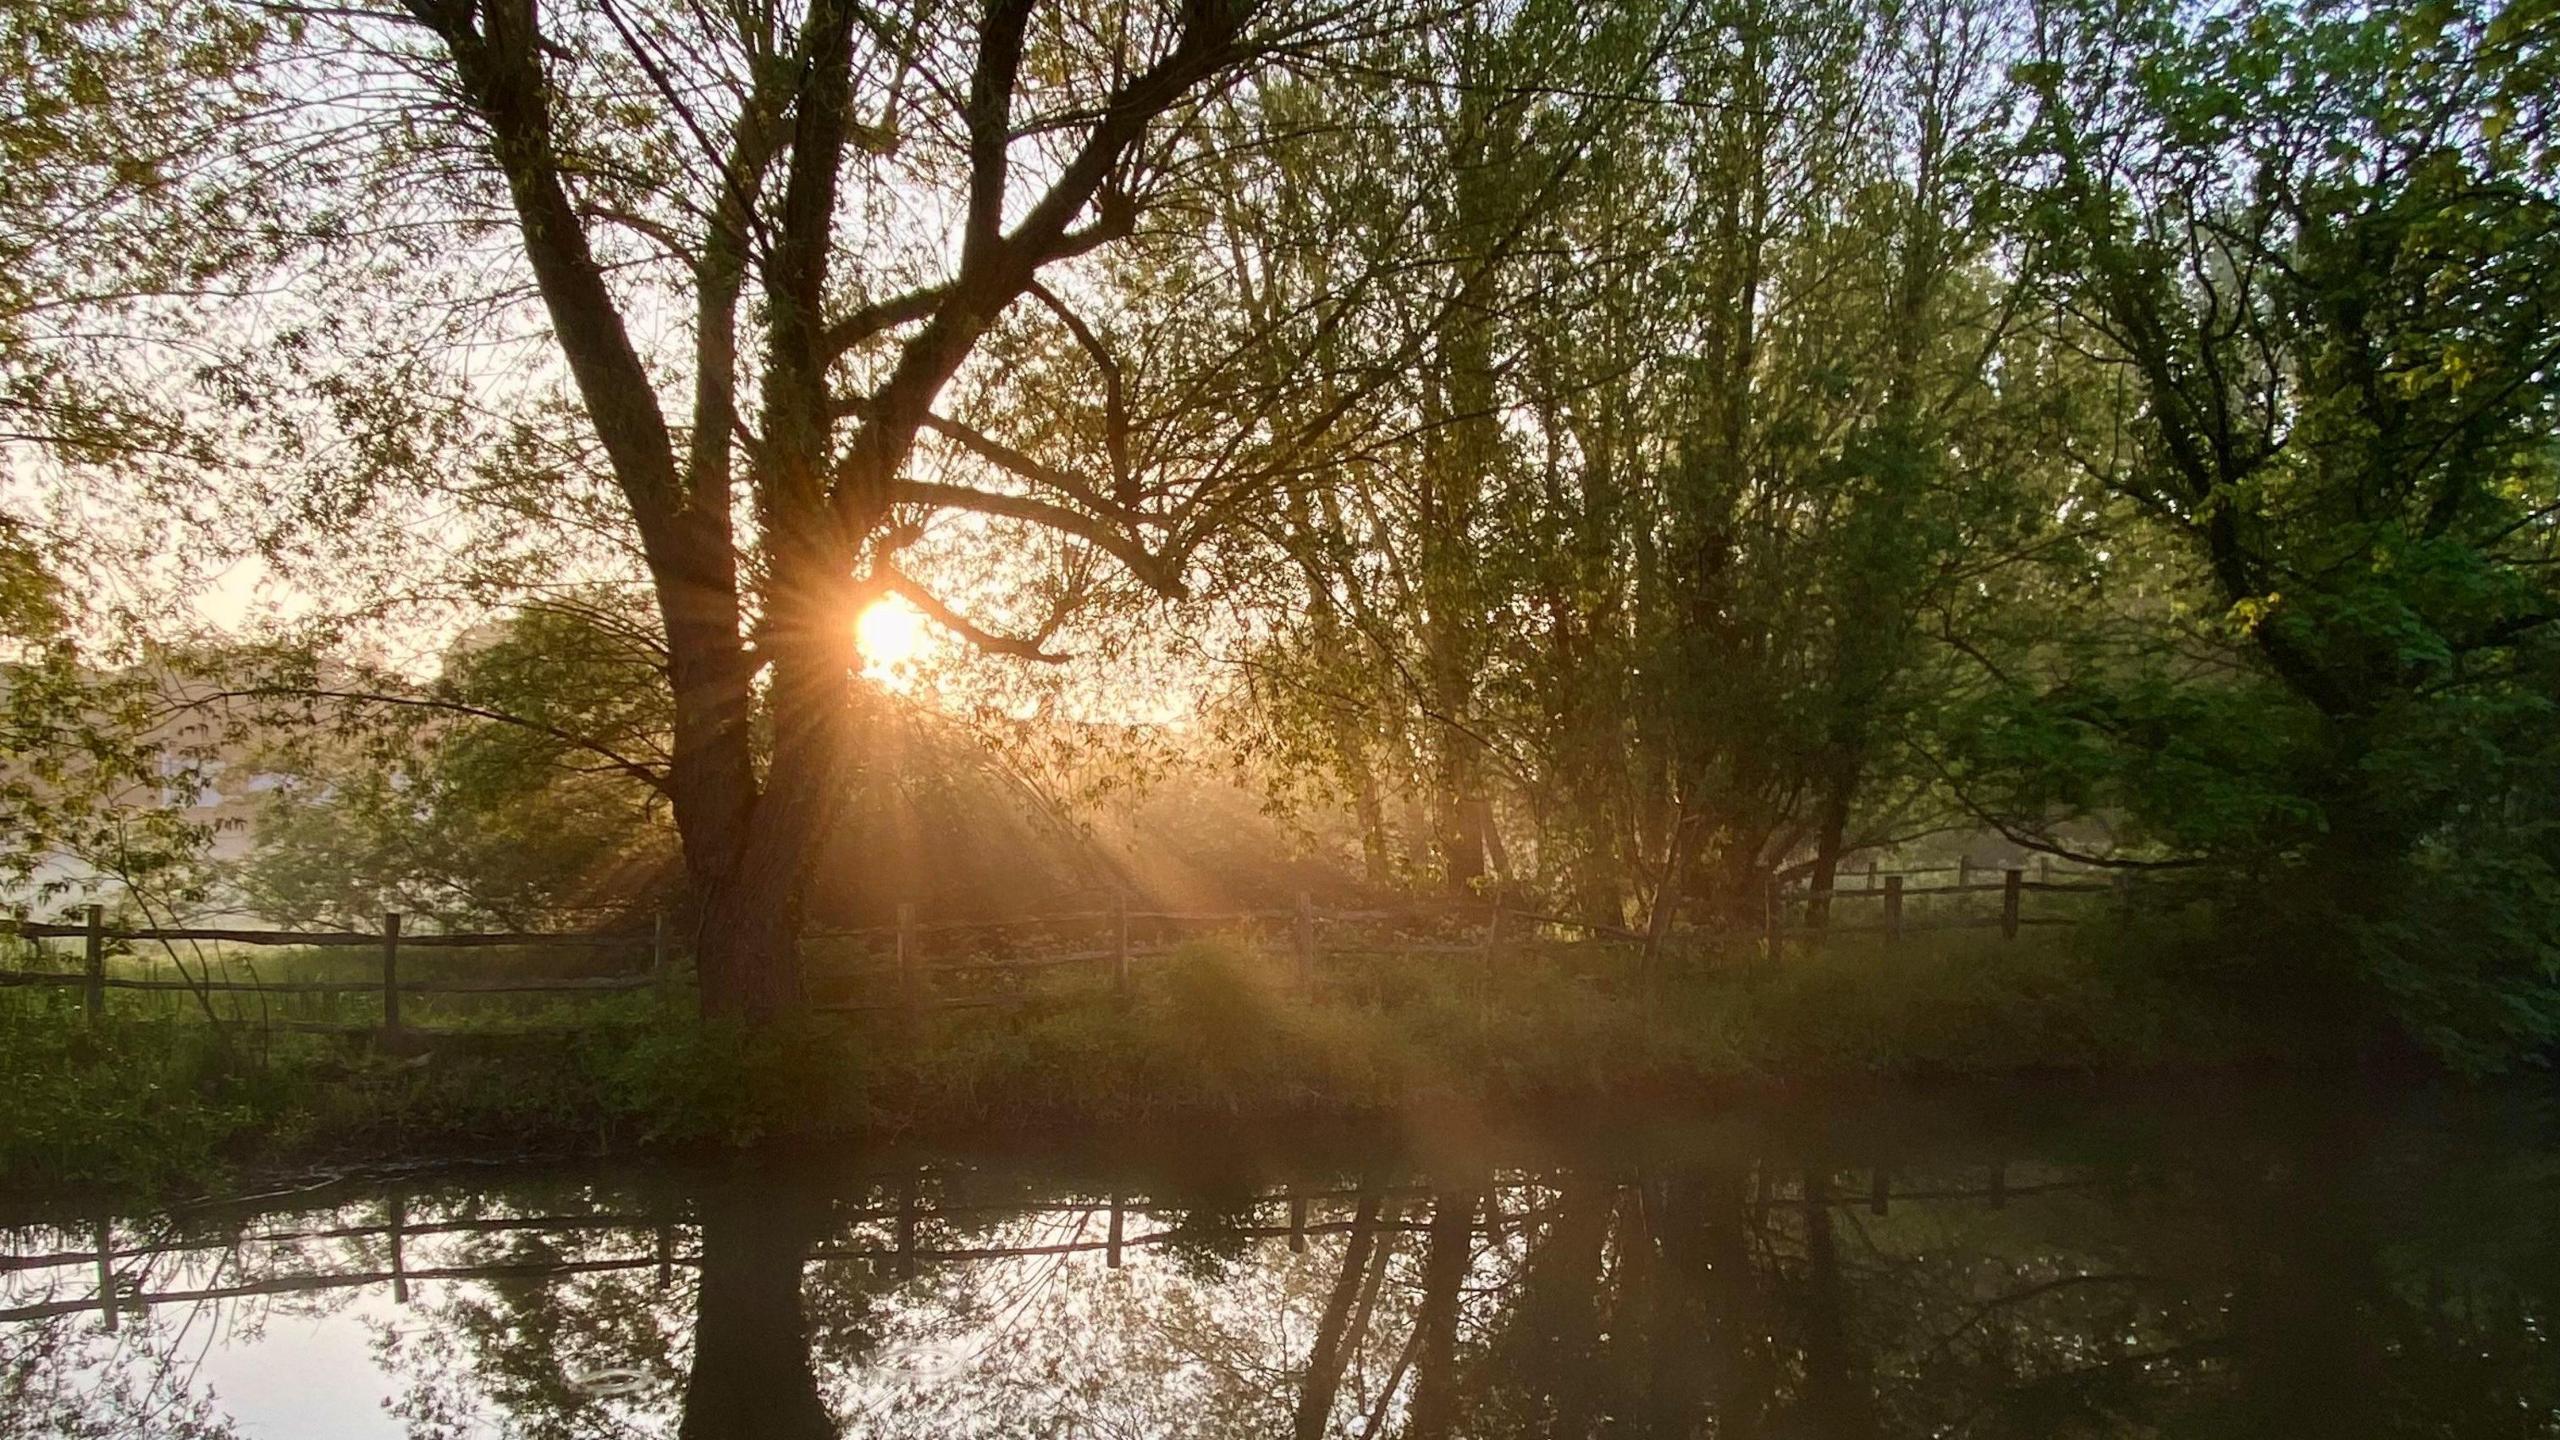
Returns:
point(1368, 806)
point(749, 861)
point(1377, 859)
point(1831, 833)
point(1461, 816)
point(747, 951)
point(1418, 833)
point(1596, 897)
point(1667, 895)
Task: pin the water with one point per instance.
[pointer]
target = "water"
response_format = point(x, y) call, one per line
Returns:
point(2212, 1263)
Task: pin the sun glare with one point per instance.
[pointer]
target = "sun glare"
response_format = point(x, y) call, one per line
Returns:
point(891, 635)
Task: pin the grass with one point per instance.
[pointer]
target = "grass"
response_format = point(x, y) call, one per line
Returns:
point(151, 1096)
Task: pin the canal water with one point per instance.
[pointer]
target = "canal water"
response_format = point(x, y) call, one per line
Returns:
point(2213, 1262)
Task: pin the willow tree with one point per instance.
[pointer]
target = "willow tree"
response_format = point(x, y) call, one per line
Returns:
point(766, 241)
point(115, 220)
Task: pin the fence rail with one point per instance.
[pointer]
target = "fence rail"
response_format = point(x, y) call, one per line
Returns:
point(467, 940)
point(911, 970)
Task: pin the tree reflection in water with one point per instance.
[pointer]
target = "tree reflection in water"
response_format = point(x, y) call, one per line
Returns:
point(751, 1377)
point(2297, 1271)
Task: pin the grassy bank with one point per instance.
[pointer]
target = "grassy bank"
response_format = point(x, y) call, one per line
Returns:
point(162, 1099)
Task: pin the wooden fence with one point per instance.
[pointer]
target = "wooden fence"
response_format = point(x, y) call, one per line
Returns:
point(1484, 931)
point(1892, 895)
point(94, 981)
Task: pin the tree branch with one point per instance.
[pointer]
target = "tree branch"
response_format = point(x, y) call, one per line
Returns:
point(643, 773)
point(1004, 457)
point(1031, 647)
point(868, 322)
point(996, 267)
point(1157, 573)
point(501, 76)
point(1115, 392)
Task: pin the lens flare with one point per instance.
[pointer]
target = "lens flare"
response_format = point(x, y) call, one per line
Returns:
point(891, 635)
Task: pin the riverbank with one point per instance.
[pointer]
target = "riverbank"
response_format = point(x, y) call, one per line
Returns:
point(138, 1102)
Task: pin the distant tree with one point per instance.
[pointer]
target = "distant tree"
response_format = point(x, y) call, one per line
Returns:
point(1679, 589)
point(93, 788)
point(554, 817)
point(30, 596)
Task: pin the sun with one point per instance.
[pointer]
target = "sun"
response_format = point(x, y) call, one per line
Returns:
point(891, 635)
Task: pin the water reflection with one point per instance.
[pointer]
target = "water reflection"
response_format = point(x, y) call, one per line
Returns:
point(2290, 1268)
point(751, 1374)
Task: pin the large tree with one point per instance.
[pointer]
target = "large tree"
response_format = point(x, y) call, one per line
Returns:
point(765, 241)
point(2315, 252)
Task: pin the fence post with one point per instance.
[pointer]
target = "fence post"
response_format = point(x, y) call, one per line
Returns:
point(660, 970)
point(1120, 945)
point(910, 963)
point(1892, 908)
point(1871, 872)
point(2044, 869)
point(1297, 1224)
point(391, 972)
point(1306, 941)
point(1111, 1249)
point(93, 998)
point(1964, 870)
point(2012, 890)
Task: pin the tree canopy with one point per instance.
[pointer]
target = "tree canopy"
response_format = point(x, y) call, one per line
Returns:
point(1611, 456)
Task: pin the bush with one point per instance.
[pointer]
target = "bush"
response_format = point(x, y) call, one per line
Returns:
point(129, 1101)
